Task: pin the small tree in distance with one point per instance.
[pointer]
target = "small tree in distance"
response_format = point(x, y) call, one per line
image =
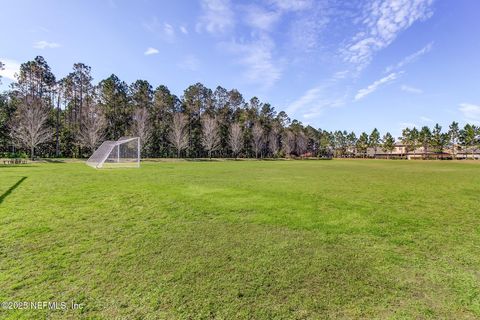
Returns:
point(257, 135)
point(453, 136)
point(141, 126)
point(235, 139)
point(211, 136)
point(92, 127)
point(29, 126)
point(178, 135)
point(374, 141)
point(388, 143)
point(273, 142)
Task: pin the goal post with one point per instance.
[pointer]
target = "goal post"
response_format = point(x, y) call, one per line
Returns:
point(125, 152)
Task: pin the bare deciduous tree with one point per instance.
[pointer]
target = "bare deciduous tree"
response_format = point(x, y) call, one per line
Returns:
point(288, 142)
point(141, 126)
point(29, 125)
point(235, 138)
point(273, 142)
point(301, 143)
point(210, 136)
point(178, 134)
point(92, 126)
point(257, 135)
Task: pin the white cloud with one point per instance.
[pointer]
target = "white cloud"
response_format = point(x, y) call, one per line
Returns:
point(305, 31)
point(382, 22)
point(164, 30)
point(411, 125)
point(411, 89)
point(292, 5)
point(257, 57)
point(218, 17)
point(184, 30)
point(259, 18)
point(426, 119)
point(168, 30)
point(374, 86)
point(151, 25)
point(190, 63)
point(471, 112)
point(10, 69)
point(150, 51)
point(411, 58)
point(45, 45)
point(315, 100)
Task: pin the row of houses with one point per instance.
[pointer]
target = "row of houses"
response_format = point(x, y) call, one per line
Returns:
point(400, 152)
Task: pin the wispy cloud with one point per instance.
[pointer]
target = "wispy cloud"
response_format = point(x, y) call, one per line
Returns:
point(260, 18)
point(217, 18)
point(292, 5)
point(257, 57)
point(10, 69)
point(190, 63)
point(362, 93)
point(382, 22)
point(183, 29)
point(471, 112)
point(164, 30)
point(168, 30)
point(305, 31)
point(411, 58)
point(46, 45)
point(411, 89)
point(404, 125)
point(315, 100)
point(426, 119)
point(150, 51)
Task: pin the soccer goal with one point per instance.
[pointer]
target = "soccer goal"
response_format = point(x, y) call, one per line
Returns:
point(125, 152)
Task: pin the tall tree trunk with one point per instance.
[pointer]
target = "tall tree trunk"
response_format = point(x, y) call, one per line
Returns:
point(32, 152)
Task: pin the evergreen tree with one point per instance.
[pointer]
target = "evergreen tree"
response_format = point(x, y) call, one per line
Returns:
point(425, 139)
point(453, 136)
point(362, 144)
point(374, 141)
point(439, 139)
point(388, 143)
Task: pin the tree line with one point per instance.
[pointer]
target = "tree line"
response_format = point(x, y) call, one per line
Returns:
point(71, 116)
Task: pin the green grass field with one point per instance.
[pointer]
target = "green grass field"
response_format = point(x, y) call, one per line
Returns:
point(243, 240)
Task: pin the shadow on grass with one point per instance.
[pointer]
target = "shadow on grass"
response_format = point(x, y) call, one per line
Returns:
point(53, 160)
point(17, 166)
point(12, 188)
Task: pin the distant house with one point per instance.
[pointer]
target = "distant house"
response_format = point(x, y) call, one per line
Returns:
point(469, 153)
point(400, 152)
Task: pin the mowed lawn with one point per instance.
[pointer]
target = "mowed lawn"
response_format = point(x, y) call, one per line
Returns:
point(243, 239)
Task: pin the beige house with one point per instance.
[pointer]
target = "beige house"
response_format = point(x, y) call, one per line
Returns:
point(400, 151)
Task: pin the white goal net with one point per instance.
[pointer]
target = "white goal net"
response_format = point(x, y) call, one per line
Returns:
point(125, 152)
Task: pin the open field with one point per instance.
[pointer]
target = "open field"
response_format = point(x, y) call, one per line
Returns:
point(243, 239)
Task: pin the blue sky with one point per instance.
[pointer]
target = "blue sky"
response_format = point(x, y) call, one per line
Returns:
point(333, 64)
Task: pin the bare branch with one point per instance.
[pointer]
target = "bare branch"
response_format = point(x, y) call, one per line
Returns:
point(257, 134)
point(141, 125)
point(178, 135)
point(29, 125)
point(92, 127)
point(211, 136)
point(235, 138)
